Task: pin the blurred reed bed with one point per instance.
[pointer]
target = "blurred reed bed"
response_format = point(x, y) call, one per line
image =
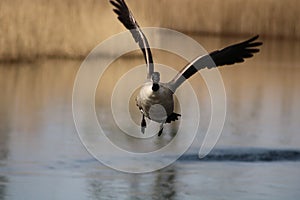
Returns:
point(71, 28)
point(51, 28)
point(229, 17)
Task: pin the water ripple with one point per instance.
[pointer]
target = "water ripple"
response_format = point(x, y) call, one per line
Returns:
point(246, 155)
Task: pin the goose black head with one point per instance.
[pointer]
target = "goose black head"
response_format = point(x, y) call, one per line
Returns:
point(155, 79)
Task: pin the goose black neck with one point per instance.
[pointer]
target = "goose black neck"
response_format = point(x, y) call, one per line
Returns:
point(155, 87)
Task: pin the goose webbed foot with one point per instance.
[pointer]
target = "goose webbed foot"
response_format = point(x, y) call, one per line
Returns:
point(143, 124)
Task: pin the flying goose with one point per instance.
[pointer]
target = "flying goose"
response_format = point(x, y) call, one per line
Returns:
point(155, 99)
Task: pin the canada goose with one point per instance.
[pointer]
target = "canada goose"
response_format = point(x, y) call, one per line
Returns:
point(155, 99)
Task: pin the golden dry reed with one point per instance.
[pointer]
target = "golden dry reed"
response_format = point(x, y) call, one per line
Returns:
point(71, 28)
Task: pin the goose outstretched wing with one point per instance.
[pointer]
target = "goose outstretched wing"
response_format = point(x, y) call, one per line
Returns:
point(236, 53)
point(126, 18)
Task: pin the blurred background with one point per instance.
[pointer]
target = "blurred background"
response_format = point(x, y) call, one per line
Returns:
point(72, 28)
point(42, 45)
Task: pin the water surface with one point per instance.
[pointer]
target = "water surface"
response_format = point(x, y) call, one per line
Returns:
point(41, 156)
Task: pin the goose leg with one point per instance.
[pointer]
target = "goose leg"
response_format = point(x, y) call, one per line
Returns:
point(161, 129)
point(143, 124)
